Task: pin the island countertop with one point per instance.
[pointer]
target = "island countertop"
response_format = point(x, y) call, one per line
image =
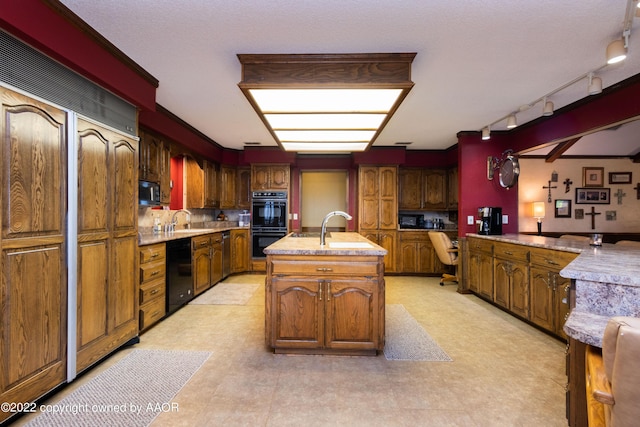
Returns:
point(336, 243)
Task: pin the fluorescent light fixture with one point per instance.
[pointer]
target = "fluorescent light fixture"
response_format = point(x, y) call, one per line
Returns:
point(326, 98)
point(324, 147)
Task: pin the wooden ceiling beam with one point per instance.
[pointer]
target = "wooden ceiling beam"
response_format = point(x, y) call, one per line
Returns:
point(560, 149)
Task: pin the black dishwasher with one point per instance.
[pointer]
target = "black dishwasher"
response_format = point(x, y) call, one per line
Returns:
point(179, 280)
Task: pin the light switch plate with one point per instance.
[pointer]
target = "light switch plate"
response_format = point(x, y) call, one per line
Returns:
point(505, 219)
point(470, 220)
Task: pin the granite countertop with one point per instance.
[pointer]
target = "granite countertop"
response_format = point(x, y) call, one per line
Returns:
point(349, 243)
point(148, 237)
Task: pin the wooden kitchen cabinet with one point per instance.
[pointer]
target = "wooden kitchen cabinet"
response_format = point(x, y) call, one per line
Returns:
point(511, 278)
point(378, 198)
point(416, 253)
point(107, 242)
point(549, 290)
point(33, 282)
point(325, 304)
point(152, 290)
point(206, 259)
point(150, 153)
point(227, 187)
point(422, 189)
point(165, 174)
point(389, 241)
point(211, 185)
point(270, 177)
point(481, 267)
point(240, 251)
point(243, 188)
point(452, 185)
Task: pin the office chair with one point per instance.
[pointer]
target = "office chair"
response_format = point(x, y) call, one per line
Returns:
point(447, 254)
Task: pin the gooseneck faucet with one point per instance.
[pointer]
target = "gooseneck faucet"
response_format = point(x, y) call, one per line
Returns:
point(174, 221)
point(324, 223)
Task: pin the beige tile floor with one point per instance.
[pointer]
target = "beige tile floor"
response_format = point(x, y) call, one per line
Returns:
point(504, 372)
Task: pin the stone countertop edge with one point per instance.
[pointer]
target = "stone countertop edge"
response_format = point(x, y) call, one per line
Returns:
point(606, 264)
point(586, 327)
point(150, 238)
point(311, 245)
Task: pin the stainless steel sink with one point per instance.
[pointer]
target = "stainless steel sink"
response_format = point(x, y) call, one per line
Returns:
point(308, 234)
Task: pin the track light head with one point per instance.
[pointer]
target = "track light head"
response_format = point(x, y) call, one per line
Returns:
point(486, 133)
point(511, 121)
point(595, 84)
point(616, 51)
point(548, 108)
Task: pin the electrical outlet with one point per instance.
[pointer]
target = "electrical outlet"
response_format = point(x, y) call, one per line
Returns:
point(295, 216)
point(470, 220)
point(505, 219)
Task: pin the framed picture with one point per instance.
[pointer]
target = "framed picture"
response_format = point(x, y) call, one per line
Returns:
point(593, 196)
point(592, 177)
point(619, 177)
point(562, 208)
point(579, 213)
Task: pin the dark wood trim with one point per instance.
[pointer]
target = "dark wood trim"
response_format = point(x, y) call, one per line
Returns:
point(100, 40)
point(560, 149)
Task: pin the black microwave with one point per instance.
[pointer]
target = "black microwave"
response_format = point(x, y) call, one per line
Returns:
point(411, 221)
point(148, 193)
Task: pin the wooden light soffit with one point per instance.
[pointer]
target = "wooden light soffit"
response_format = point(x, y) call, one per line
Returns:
point(560, 149)
point(326, 71)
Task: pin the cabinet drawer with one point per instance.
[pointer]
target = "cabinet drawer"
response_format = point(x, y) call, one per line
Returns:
point(152, 312)
point(318, 266)
point(481, 245)
point(152, 253)
point(413, 236)
point(199, 242)
point(550, 258)
point(511, 252)
point(152, 271)
point(151, 290)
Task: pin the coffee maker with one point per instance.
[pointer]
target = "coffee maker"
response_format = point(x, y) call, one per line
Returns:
point(489, 221)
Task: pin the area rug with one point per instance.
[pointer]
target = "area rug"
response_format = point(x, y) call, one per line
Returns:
point(225, 293)
point(133, 392)
point(406, 340)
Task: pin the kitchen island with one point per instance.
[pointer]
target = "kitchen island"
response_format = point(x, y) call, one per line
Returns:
point(325, 299)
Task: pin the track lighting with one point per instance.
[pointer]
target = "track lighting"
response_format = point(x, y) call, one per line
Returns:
point(595, 84)
point(616, 51)
point(486, 133)
point(511, 121)
point(548, 108)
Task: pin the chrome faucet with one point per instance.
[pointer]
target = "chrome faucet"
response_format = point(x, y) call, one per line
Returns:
point(324, 223)
point(174, 221)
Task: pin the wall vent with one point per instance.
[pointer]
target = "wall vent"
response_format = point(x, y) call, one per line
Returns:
point(27, 69)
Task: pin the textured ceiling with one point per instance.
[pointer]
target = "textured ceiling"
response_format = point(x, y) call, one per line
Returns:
point(476, 61)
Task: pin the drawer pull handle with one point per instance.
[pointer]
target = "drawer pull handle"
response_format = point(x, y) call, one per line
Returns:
point(328, 290)
point(156, 255)
point(154, 291)
point(325, 269)
point(155, 273)
point(552, 262)
point(320, 290)
point(508, 253)
point(155, 313)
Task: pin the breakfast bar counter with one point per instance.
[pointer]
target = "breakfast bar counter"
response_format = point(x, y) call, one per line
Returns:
point(325, 299)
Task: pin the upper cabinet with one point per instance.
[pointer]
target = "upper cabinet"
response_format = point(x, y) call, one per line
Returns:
point(165, 174)
point(150, 157)
point(227, 187)
point(211, 188)
point(452, 180)
point(377, 197)
point(243, 188)
point(269, 177)
point(423, 189)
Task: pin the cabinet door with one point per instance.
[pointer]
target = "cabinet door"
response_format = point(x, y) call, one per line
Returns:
point(201, 270)
point(542, 310)
point(33, 279)
point(485, 275)
point(410, 188)
point(503, 271)
point(165, 174)
point(216, 258)
point(474, 271)
point(426, 257)
point(561, 303)
point(150, 156)
point(369, 214)
point(279, 177)
point(452, 185)
point(227, 187)
point(408, 257)
point(297, 312)
point(519, 290)
point(388, 213)
point(434, 189)
point(243, 188)
point(388, 240)
point(239, 251)
point(351, 313)
point(194, 184)
point(211, 190)
point(260, 177)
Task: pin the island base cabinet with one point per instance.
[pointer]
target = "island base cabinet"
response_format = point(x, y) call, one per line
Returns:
point(316, 307)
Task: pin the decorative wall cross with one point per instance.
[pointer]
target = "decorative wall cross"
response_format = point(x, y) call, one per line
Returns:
point(593, 214)
point(637, 188)
point(619, 194)
point(550, 187)
point(567, 185)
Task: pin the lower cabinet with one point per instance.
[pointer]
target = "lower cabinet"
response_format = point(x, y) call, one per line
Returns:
point(511, 278)
point(388, 240)
point(152, 284)
point(206, 260)
point(332, 304)
point(481, 267)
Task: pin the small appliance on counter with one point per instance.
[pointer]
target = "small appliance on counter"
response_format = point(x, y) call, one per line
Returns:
point(411, 221)
point(489, 221)
point(244, 219)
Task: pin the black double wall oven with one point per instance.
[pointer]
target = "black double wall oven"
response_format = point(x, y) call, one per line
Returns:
point(269, 216)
